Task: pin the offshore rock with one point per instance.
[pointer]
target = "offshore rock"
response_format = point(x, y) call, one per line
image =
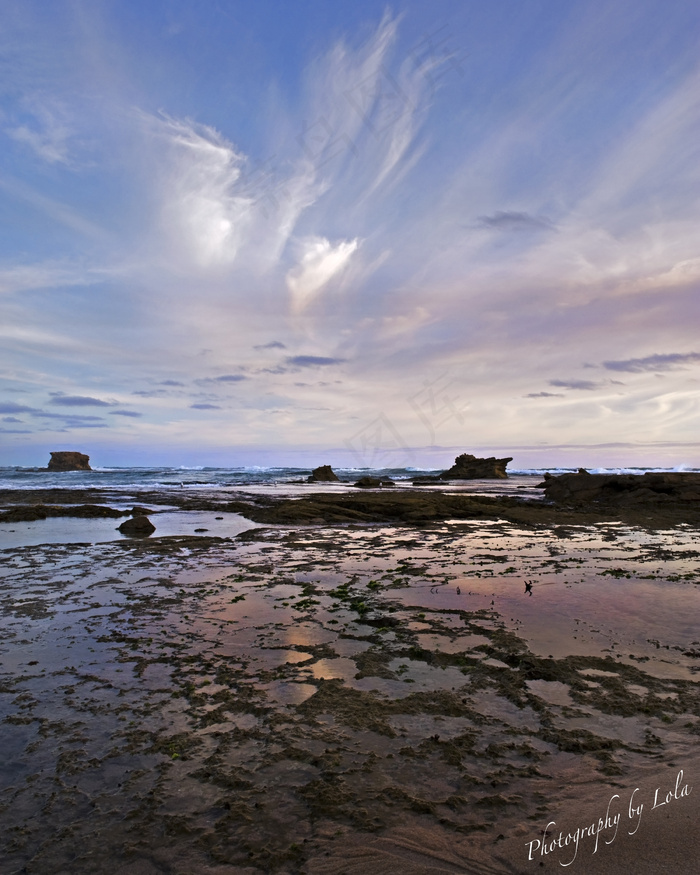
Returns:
point(69, 461)
point(323, 474)
point(622, 489)
point(468, 467)
point(138, 526)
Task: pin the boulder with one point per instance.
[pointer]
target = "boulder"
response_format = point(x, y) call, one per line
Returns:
point(138, 526)
point(468, 467)
point(69, 461)
point(323, 474)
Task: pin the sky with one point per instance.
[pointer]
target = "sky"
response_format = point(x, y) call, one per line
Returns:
point(240, 233)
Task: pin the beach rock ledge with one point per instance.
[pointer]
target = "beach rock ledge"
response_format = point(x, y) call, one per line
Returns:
point(69, 461)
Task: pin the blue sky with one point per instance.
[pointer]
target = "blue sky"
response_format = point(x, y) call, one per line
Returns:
point(237, 233)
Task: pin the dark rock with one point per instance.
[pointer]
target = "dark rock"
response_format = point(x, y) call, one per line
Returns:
point(138, 526)
point(69, 461)
point(88, 511)
point(42, 511)
point(323, 474)
point(622, 489)
point(373, 482)
point(24, 514)
point(468, 467)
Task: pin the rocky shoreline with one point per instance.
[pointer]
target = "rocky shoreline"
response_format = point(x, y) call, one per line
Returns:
point(649, 500)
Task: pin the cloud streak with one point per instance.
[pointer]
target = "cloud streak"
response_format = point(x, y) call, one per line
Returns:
point(78, 401)
point(579, 385)
point(657, 362)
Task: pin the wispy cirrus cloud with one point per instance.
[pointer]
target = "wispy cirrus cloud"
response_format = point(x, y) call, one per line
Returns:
point(203, 208)
point(46, 130)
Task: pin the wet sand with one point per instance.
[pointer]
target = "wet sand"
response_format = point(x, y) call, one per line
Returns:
point(331, 699)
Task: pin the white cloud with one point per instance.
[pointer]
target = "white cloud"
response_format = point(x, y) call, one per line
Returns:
point(201, 208)
point(320, 261)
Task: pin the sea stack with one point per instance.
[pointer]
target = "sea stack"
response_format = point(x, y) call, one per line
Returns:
point(468, 467)
point(323, 474)
point(69, 461)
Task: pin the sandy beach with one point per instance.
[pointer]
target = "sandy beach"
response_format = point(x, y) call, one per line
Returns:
point(354, 698)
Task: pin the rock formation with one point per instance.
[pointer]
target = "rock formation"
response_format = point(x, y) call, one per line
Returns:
point(323, 474)
point(622, 489)
point(468, 467)
point(69, 461)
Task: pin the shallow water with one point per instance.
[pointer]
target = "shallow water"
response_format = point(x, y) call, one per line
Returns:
point(73, 530)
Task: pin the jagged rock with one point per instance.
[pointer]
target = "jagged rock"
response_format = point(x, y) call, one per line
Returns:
point(69, 461)
point(622, 489)
point(323, 474)
point(138, 526)
point(373, 482)
point(468, 467)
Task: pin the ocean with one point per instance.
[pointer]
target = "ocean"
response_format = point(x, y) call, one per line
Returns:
point(208, 479)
